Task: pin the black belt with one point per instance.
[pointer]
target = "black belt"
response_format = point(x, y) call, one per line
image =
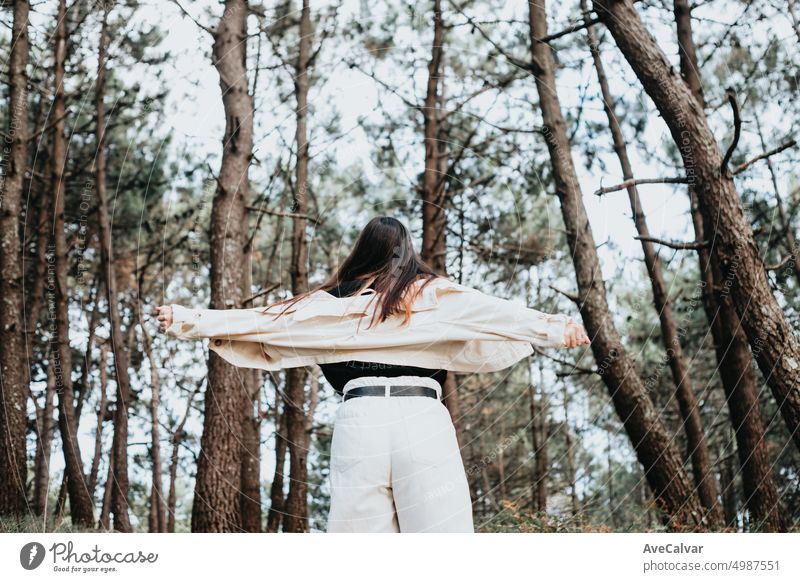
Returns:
point(393, 391)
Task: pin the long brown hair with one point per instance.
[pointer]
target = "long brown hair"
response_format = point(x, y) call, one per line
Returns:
point(383, 258)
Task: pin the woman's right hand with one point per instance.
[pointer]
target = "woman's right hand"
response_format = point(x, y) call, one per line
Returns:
point(575, 335)
point(164, 316)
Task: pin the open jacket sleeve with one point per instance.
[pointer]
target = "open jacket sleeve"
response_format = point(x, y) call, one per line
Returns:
point(218, 323)
point(488, 315)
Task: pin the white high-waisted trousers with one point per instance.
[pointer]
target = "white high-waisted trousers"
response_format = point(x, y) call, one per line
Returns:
point(395, 464)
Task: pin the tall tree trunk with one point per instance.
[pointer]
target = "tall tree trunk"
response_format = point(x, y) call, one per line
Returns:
point(434, 215)
point(105, 510)
point(80, 385)
point(502, 489)
point(433, 211)
point(730, 343)
point(570, 454)
point(80, 498)
point(696, 444)
point(773, 342)
point(450, 400)
point(102, 409)
point(13, 378)
point(61, 502)
point(45, 423)
point(686, 49)
point(35, 296)
point(276, 508)
point(177, 439)
point(741, 388)
point(296, 509)
point(539, 442)
point(172, 497)
point(251, 457)
point(216, 506)
point(35, 266)
point(250, 486)
point(728, 485)
point(612, 506)
point(662, 464)
point(119, 499)
point(539, 422)
point(159, 522)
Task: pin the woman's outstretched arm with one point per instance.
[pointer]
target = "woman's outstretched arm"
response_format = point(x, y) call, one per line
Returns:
point(185, 323)
point(481, 312)
point(460, 314)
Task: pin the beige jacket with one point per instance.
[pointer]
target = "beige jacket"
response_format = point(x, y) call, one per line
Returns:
point(452, 327)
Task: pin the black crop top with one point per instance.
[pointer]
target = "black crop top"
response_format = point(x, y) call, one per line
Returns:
point(339, 373)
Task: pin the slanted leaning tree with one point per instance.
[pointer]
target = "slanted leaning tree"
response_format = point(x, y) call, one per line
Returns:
point(730, 342)
point(696, 443)
point(772, 340)
point(663, 467)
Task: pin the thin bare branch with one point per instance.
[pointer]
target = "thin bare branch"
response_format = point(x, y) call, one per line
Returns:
point(313, 219)
point(570, 29)
point(193, 19)
point(517, 62)
point(571, 296)
point(737, 130)
point(270, 288)
point(633, 182)
point(694, 245)
point(779, 265)
point(762, 156)
point(573, 367)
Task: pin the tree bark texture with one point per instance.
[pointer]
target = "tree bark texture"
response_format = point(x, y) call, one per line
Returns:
point(80, 498)
point(696, 443)
point(216, 506)
point(295, 519)
point(743, 276)
point(13, 377)
point(119, 498)
point(662, 464)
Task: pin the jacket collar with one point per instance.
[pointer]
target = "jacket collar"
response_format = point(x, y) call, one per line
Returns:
point(322, 303)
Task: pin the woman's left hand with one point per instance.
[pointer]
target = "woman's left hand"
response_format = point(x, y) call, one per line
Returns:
point(164, 316)
point(575, 335)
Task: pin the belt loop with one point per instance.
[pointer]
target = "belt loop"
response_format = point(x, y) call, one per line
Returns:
point(387, 390)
